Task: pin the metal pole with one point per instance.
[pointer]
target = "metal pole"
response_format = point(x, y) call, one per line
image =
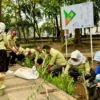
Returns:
point(65, 34)
point(91, 47)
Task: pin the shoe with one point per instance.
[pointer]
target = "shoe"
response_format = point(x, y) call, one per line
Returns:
point(9, 72)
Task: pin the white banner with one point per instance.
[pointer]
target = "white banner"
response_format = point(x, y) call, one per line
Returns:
point(77, 16)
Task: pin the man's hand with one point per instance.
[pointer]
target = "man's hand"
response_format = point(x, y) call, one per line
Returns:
point(14, 50)
point(89, 74)
point(98, 84)
point(49, 66)
point(36, 64)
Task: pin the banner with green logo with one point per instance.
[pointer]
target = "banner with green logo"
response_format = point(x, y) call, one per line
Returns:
point(77, 16)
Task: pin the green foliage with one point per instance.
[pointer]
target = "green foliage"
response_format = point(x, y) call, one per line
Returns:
point(21, 13)
point(52, 7)
point(27, 63)
point(48, 27)
point(96, 12)
point(64, 82)
point(69, 41)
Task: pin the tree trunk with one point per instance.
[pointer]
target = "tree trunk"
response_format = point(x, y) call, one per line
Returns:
point(34, 22)
point(38, 32)
point(23, 33)
point(78, 37)
point(19, 14)
point(96, 28)
point(27, 33)
point(0, 10)
point(57, 27)
point(62, 40)
point(85, 31)
point(34, 29)
point(19, 35)
point(62, 35)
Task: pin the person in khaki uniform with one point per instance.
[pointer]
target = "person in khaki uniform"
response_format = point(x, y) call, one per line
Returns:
point(77, 65)
point(56, 60)
point(11, 39)
point(20, 52)
point(33, 53)
point(40, 55)
point(12, 46)
point(30, 53)
point(3, 45)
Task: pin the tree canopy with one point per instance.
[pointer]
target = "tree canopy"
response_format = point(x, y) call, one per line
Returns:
point(22, 13)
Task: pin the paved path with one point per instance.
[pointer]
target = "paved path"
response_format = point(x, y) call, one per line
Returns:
point(21, 89)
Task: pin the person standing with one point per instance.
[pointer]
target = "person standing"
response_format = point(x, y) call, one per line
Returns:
point(11, 38)
point(3, 53)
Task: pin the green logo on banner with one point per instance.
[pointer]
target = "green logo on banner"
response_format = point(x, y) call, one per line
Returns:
point(69, 17)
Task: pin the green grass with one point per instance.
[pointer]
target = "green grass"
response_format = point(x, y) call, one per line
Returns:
point(64, 82)
point(26, 62)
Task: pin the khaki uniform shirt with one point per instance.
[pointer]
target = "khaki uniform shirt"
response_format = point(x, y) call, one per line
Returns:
point(33, 53)
point(11, 41)
point(57, 57)
point(83, 68)
point(3, 41)
point(21, 51)
point(39, 55)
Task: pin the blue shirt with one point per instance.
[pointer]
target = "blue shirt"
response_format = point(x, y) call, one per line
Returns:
point(97, 71)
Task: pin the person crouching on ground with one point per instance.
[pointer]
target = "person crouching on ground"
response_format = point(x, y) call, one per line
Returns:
point(20, 52)
point(56, 62)
point(94, 86)
point(40, 55)
point(97, 71)
point(11, 38)
point(77, 65)
point(30, 53)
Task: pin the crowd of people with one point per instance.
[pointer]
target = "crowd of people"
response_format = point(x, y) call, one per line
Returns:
point(46, 56)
